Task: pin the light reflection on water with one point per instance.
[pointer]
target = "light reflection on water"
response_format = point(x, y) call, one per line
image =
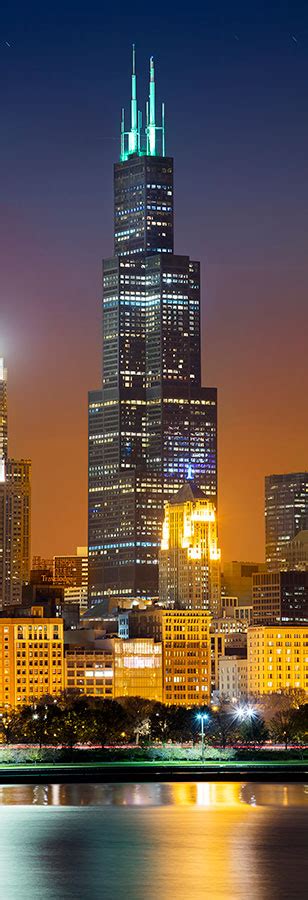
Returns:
point(219, 795)
point(219, 841)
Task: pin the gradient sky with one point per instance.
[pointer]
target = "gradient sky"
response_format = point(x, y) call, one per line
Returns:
point(235, 83)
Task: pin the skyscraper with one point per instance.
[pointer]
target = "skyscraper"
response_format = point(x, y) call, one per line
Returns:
point(15, 512)
point(152, 423)
point(189, 558)
point(286, 513)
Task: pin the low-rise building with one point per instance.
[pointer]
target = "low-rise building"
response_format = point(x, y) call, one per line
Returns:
point(185, 636)
point(138, 669)
point(277, 658)
point(31, 658)
point(233, 678)
point(90, 670)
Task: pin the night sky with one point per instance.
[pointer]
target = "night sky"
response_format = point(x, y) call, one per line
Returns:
point(235, 81)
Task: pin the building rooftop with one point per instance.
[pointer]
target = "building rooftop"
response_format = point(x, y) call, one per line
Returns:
point(189, 492)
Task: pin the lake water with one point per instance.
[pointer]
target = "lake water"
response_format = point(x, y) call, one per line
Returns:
point(172, 841)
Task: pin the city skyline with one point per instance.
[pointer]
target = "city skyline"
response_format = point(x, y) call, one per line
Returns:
point(236, 343)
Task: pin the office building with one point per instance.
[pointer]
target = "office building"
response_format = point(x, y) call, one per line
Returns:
point(233, 678)
point(185, 637)
point(151, 421)
point(286, 514)
point(236, 580)
point(90, 669)
point(31, 658)
point(3, 419)
point(112, 668)
point(296, 552)
point(277, 658)
point(280, 597)
point(228, 637)
point(231, 607)
point(15, 530)
point(189, 558)
point(71, 570)
point(15, 511)
point(138, 669)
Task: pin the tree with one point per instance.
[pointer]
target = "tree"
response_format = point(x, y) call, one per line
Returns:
point(223, 726)
point(253, 730)
point(107, 721)
point(283, 727)
point(138, 714)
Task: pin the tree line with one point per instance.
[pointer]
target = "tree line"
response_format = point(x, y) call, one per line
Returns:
point(73, 718)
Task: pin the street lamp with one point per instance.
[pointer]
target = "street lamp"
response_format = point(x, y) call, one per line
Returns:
point(203, 717)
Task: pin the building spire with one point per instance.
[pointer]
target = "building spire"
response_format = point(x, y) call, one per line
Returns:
point(133, 138)
point(152, 122)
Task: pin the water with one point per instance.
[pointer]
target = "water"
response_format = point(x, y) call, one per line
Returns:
point(144, 841)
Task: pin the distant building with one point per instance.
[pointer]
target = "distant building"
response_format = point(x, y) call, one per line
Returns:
point(15, 530)
point(31, 658)
point(15, 511)
point(185, 636)
point(286, 514)
point(71, 570)
point(237, 580)
point(280, 597)
point(232, 678)
point(189, 559)
point(231, 607)
point(296, 552)
point(3, 419)
point(277, 658)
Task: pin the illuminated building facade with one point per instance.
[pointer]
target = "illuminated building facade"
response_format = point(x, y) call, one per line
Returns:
point(152, 420)
point(90, 670)
point(286, 513)
point(138, 669)
point(15, 512)
point(277, 658)
point(189, 558)
point(31, 658)
point(185, 637)
point(280, 597)
point(114, 668)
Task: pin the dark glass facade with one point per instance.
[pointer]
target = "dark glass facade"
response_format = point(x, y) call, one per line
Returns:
point(153, 423)
point(286, 514)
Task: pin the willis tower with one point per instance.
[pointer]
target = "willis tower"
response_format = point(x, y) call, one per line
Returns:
point(152, 425)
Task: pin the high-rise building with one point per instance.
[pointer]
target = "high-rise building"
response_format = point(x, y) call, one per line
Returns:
point(152, 421)
point(286, 513)
point(15, 512)
point(31, 658)
point(3, 419)
point(189, 558)
point(280, 597)
point(277, 658)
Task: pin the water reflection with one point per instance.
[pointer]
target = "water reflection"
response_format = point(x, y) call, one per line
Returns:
point(218, 795)
point(219, 841)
